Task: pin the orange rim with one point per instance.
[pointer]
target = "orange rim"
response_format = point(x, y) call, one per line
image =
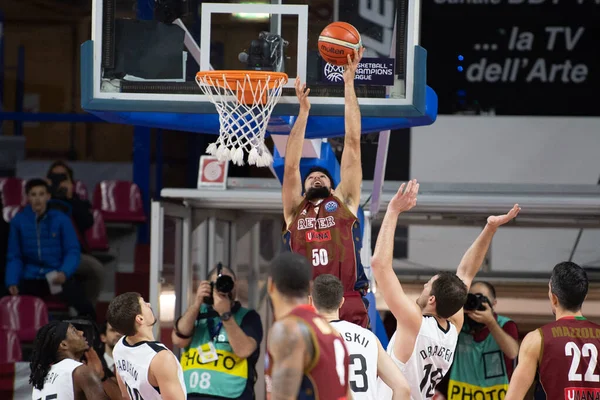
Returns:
point(237, 76)
point(228, 80)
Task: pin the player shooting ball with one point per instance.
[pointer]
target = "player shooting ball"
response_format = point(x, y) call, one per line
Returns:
point(322, 223)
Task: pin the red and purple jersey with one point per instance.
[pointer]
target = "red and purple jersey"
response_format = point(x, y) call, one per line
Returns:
point(328, 235)
point(569, 366)
point(326, 376)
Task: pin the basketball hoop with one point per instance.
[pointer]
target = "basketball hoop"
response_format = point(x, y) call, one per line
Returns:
point(244, 102)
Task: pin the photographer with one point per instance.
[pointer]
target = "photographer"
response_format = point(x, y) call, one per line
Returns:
point(221, 341)
point(486, 350)
point(90, 271)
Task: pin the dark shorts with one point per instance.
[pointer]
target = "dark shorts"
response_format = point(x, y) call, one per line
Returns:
point(354, 309)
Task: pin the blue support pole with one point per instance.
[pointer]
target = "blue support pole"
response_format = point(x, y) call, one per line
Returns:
point(159, 163)
point(20, 89)
point(1, 64)
point(141, 175)
point(141, 145)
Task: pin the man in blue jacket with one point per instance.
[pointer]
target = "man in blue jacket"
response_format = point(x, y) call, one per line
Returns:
point(42, 241)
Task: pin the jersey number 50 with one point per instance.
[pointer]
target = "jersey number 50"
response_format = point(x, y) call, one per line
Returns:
point(320, 257)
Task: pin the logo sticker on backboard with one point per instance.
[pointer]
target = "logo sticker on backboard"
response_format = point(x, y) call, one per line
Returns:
point(370, 71)
point(331, 206)
point(213, 173)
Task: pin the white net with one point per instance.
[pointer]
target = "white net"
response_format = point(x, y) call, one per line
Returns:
point(244, 105)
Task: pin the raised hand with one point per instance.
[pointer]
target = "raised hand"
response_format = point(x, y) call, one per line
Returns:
point(302, 93)
point(204, 290)
point(405, 198)
point(497, 220)
point(93, 361)
point(350, 68)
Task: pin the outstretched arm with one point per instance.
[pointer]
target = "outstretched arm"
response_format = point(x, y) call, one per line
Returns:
point(524, 374)
point(473, 258)
point(288, 347)
point(350, 166)
point(407, 312)
point(163, 371)
point(390, 374)
point(291, 191)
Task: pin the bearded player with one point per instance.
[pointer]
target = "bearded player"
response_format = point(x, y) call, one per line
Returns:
point(426, 331)
point(306, 357)
point(565, 351)
point(322, 224)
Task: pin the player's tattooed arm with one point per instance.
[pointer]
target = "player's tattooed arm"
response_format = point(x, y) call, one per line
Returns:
point(291, 350)
point(524, 374)
point(291, 190)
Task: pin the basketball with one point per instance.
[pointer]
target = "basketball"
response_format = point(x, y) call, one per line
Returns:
point(337, 40)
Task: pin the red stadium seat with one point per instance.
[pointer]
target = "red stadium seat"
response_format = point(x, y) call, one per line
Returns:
point(12, 191)
point(119, 201)
point(23, 314)
point(81, 190)
point(10, 347)
point(96, 237)
point(54, 304)
point(9, 212)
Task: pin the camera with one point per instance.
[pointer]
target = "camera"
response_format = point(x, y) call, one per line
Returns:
point(475, 302)
point(266, 53)
point(223, 284)
point(55, 190)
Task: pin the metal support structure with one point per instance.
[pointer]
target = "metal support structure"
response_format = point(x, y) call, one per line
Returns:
point(226, 237)
point(233, 261)
point(253, 273)
point(187, 291)
point(157, 219)
point(183, 277)
point(383, 145)
point(141, 174)
point(141, 143)
point(178, 257)
point(158, 164)
point(211, 236)
point(275, 20)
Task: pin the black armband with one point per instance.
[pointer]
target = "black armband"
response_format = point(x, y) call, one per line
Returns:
point(178, 333)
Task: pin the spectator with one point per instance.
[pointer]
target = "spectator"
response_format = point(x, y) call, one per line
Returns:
point(90, 271)
point(486, 350)
point(109, 337)
point(43, 242)
point(221, 341)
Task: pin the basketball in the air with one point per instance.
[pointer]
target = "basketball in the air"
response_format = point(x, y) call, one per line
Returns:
point(337, 40)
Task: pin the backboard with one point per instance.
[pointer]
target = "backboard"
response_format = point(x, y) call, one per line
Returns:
point(136, 65)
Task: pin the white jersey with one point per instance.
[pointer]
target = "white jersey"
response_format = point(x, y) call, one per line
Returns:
point(59, 382)
point(431, 359)
point(363, 350)
point(132, 363)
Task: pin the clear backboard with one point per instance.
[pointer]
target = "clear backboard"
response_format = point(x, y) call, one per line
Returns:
point(144, 55)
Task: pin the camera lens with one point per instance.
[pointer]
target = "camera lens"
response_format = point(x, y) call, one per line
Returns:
point(224, 284)
point(473, 302)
